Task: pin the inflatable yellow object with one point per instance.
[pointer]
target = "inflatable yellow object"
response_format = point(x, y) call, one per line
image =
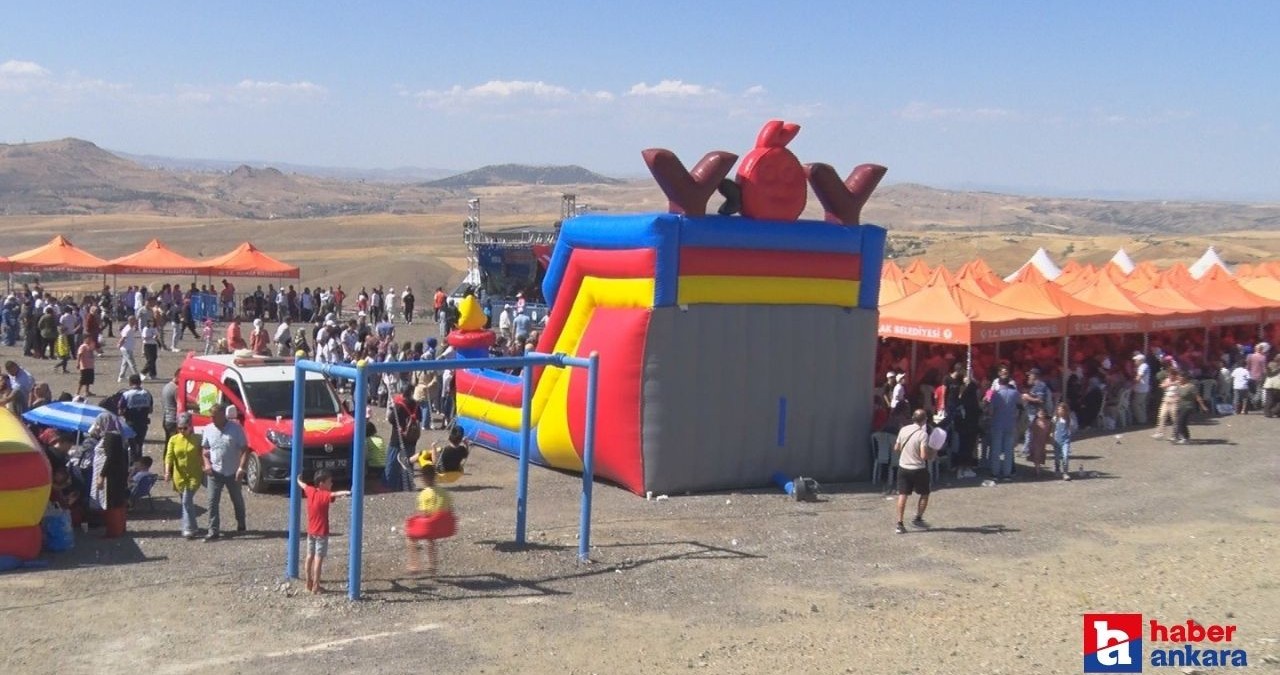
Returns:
point(471, 315)
point(24, 489)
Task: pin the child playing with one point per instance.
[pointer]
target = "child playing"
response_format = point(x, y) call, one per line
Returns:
point(446, 460)
point(1038, 439)
point(318, 500)
point(140, 470)
point(433, 520)
point(207, 334)
point(375, 454)
point(1064, 427)
point(86, 357)
point(140, 479)
point(1240, 389)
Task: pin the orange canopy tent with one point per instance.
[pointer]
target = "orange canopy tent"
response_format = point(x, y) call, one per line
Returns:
point(1235, 304)
point(154, 258)
point(948, 315)
point(1029, 273)
point(918, 271)
point(1170, 310)
point(247, 261)
point(977, 274)
point(1104, 292)
point(1267, 287)
point(59, 255)
point(1083, 318)
point(891, 283)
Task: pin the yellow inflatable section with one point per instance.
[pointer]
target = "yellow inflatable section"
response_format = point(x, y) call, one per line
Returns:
point(24, 489)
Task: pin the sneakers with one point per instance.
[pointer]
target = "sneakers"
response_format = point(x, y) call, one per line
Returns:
point(900, 529)
point(1180, 441)
point(212, 536)
point(918, 521)
point(1157, 435)
point(1066, 476)
point(188, 534)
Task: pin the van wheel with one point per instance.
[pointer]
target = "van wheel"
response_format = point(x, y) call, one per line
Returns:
point(253, 475)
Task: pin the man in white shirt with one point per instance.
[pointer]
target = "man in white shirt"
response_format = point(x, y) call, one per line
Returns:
point(127, 343)
point(505, 324)
point(1141, 389)
point(914, 454)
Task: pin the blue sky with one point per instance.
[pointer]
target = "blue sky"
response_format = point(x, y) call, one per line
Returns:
point(1144, 99)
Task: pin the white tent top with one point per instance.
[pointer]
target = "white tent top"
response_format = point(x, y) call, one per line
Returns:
point(1123, 261)
point(1042, 262)
point(1206, 262)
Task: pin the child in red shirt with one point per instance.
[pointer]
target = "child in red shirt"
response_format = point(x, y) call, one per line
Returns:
point(318, 500)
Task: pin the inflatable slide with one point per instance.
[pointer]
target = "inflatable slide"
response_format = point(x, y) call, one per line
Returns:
point(731, 346)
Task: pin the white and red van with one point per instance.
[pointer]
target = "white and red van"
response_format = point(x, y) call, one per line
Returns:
point(261, 390)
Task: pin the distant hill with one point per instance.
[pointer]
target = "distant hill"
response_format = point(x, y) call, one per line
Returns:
point(523, 174)
point(400, 174)
point(75, 177)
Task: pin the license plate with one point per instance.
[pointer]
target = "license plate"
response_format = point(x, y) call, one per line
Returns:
point(330, 463)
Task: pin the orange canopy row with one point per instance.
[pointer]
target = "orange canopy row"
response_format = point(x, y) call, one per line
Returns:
point(975, 306)
point(60, 255)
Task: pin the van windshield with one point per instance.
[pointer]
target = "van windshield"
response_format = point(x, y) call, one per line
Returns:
point(275, 399)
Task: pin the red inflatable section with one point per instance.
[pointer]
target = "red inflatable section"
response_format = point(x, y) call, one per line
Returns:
point(638, 263)
point(24, 470)
point(737, 262)
point(21, 542)
point(621, 334)
point(501, 391)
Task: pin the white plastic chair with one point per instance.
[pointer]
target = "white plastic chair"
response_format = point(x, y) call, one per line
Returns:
point(882, 454)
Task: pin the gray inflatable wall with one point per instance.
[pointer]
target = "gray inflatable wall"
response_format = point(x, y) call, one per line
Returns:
point(734, 393)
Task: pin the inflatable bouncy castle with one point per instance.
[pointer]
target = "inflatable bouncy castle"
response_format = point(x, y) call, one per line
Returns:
point(732, 347)
point(24, 489)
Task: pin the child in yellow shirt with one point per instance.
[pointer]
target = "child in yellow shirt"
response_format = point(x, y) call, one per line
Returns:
point(434, 519)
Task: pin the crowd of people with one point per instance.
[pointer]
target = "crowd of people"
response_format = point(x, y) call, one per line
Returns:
point(1024, 403)
point(311, 324)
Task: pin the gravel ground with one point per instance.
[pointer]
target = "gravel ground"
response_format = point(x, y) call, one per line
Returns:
point(739, 582)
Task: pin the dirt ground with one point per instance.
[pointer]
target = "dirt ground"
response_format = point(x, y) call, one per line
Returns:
point(742, 582)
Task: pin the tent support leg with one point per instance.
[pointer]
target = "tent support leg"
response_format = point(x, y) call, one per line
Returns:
point(1066, 363)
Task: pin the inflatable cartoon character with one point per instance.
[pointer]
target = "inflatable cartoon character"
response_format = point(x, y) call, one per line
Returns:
point(24, 489)
point(470, 339)
point(770, 177)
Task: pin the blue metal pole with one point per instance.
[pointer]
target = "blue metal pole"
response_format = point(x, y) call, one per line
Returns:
point(522, 474)
point(588, 458)
point(357, 484)
point(295, 470)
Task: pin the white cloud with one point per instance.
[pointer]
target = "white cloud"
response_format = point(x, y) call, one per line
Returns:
point(303, 87)
point(919, 111)
point(31, 78)
point(15, 68)
point(499, 92)
point(756, 90)
point(670, 89)
point(250, 92)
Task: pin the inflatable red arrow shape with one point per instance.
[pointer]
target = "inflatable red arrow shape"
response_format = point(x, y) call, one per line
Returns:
point(688, 191)
point(843, 201)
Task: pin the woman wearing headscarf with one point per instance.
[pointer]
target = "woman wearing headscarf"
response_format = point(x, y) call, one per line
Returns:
point(259, 340)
